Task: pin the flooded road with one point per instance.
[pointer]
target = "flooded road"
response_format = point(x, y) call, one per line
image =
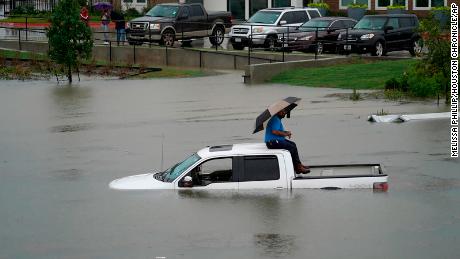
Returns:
point(61, 146)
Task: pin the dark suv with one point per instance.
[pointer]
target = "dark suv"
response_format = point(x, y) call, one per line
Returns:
point(379, 34)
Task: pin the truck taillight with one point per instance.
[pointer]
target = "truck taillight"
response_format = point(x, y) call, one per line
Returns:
point(381, 187)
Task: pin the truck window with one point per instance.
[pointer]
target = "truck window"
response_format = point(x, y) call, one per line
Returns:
point(313, 14)
point(260, 168)
point(197, 10)
point(214, 171)
point(300, 16)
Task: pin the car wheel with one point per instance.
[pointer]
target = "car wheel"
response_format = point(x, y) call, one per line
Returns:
point(218, 35)
point(167, 38)
point(270, 43)
point(237, 46)
point(378, 50)
point(319, 48)
point(416, 48)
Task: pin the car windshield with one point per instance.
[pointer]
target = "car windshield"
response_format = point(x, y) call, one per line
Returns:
point(313, 25)
point(371, 23)
point(172, 173)
point(163, 11)
point(264, 17)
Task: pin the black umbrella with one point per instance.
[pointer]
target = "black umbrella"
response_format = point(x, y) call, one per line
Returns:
point(287, 104)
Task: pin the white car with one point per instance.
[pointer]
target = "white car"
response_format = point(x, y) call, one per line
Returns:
point(253, 166)
point(267, 25)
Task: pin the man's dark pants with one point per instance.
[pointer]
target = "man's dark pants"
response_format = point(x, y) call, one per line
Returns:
point(286, 144)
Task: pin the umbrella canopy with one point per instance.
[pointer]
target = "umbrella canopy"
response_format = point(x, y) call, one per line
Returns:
point(102, 6)
point(287, 104)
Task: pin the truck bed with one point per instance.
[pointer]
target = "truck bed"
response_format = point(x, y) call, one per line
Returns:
point(342, 176)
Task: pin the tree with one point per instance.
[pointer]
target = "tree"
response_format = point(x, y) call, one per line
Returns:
point(70, 40)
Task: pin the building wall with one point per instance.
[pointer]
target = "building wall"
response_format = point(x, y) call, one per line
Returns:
point(410, 7)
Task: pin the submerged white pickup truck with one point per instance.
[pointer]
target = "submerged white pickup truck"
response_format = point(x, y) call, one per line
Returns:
point(253, 166)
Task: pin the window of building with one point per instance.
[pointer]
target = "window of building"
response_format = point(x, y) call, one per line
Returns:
point(344, 3)
point(260, 168)
point(127, 1)
point(194, 1)
point(256, 5)
point(236, 7)
point(281, 3)
point(382, 4)
point(428, 4)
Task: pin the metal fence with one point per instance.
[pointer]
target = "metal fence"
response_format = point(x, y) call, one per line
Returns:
point(285, 42)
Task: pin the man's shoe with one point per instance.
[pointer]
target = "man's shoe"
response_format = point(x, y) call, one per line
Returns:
point(301, 170)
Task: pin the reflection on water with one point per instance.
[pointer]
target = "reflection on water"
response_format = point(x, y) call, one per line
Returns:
point(275, 245)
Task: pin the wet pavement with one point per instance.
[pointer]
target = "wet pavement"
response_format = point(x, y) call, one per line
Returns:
point(61, 146)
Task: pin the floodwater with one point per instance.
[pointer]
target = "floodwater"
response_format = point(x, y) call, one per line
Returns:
point(61, 146)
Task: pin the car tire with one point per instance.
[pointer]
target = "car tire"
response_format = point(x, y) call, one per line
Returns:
point(379, 49)
point(416, 47)
point(237, 46)
point(168, 38)
point(218, 35)
point(270, 42)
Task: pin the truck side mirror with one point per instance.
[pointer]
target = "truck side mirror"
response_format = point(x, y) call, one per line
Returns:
point(187, 182)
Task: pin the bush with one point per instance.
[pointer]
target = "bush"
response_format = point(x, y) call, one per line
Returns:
point(423, 86)
point(353, 5)
point(396, 7)
point(319, 5)
point(132, 12)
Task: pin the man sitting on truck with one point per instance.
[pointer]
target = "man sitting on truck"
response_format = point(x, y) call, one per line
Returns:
point(275, 138)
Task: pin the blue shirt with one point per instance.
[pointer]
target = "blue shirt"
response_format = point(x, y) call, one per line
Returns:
point(274, 124)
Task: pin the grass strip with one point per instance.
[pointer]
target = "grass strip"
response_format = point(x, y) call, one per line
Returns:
point(361, 74)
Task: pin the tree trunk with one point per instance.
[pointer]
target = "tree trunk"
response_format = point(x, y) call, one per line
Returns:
point(69, 74)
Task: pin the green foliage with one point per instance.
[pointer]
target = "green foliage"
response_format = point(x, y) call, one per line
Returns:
point(396, 7)
point(430, 75)
point(70, 40)
point(29, 11)
point(441, 8)
point(132, 13)
point(393, 94)
point(356, 5)
point(423, 86)
point(319, 5)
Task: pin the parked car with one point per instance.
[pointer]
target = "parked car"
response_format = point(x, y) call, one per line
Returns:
point(166, 23)
point(379, 34)
point(319, 34)
point(265, 26)
point(253, 166)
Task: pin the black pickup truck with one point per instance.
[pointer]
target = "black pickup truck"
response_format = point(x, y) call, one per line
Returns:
point(166, 23)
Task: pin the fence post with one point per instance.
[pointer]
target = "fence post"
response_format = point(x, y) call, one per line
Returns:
point(316, 40)
point(150, 36)
point(249, 46)
point(110, 51)
point(134, 53)
point(27, 28)
point(20, 47)
point(282, 42)
point(166, 57)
